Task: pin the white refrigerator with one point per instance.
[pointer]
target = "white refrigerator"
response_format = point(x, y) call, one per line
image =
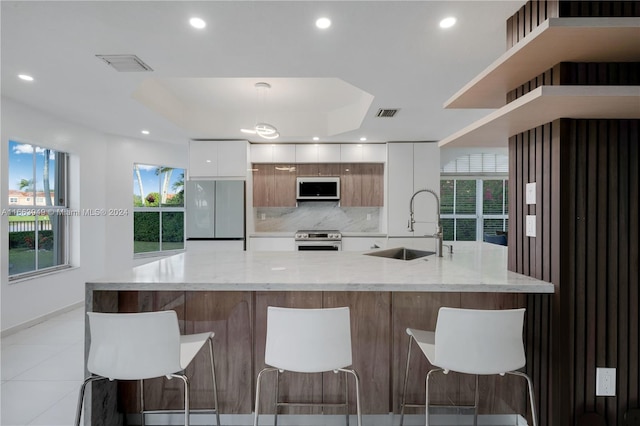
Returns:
point(215, 210)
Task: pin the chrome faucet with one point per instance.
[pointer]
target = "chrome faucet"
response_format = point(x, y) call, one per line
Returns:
point(438, 235)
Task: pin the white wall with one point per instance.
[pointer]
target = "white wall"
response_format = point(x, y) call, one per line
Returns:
point(122, 154)
point(449, 154)
point(100, 177)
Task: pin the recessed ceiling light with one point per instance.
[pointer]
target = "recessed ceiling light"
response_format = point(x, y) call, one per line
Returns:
point(363, 139)
point(448, 22)
point(25, 77)
point(315, 138)
point(144, 132)
point(323, 23)
point(197, 23)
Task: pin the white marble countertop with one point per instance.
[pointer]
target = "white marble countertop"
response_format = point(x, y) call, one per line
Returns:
point(292, 234)
point(474, 267)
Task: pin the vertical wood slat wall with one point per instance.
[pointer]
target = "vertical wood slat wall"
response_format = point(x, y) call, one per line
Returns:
point(535, 12)
point(582, 73)
point(587, 223)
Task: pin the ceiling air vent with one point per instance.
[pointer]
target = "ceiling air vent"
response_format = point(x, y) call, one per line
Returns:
point(386, 112)
point(125, 63)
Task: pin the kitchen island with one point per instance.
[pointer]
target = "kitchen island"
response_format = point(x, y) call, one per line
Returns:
point(228, 292)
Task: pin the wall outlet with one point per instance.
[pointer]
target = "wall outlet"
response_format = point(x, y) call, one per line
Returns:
point(531, 226)
point(530, 193)
point(605, 382)
point(368, 216)
point(263, 216)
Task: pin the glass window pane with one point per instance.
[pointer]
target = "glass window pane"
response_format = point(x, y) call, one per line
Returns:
point(465, 229)
point(21, 179)
point(45, 177)
point(492, 225)
point(492, 196)
point(51, 240)
point(172, 230)
point(22, 243)
point(146, 232)
point(146, 185)
point(465, 196)
point(446, 196)
point(172, 187)
point(506, 197)
point(447, 229)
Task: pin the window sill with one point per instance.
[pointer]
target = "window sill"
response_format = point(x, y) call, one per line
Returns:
point(29, 276)
point(157, 254)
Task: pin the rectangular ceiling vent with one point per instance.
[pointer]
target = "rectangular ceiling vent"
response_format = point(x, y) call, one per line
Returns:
point(387, 112)
point(125, 63)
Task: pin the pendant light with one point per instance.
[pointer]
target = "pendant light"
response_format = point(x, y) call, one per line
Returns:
point(263, 129)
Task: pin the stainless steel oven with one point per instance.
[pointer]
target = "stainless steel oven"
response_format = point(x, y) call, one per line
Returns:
point(318, 240)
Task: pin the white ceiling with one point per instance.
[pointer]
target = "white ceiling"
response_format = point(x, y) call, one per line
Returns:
point(327, 83)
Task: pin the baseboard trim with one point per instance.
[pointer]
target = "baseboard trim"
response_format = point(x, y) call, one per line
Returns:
point(330, 420)
point(28, 324)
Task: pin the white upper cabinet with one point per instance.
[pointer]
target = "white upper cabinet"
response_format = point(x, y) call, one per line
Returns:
point(217, 159)
point(363, 153)
point(273, 153)
point(328, 153)
point(411, 167)
point(317, 153)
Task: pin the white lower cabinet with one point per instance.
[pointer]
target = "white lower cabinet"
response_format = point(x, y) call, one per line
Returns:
point(271, 244)
point(360, 243)
point(199, 246)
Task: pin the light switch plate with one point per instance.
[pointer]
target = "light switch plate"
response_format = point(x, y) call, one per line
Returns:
point(605, 382)
point(531, 193)
point(531, 226)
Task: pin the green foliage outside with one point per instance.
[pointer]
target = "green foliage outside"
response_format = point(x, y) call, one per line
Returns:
point(152, 199)
point(492, 197)
point(26, 240)
point(146, 231)
point(446, 197)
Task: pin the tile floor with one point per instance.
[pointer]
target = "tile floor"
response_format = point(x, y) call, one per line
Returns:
point(42, 369)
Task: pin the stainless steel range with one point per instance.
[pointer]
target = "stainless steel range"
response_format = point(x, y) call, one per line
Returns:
point(314, 240)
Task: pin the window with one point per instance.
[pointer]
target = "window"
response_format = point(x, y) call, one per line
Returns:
point(471, 208)
point(158, 213)
point(38, 217)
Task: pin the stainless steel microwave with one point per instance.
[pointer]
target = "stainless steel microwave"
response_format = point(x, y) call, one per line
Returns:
point(318, 188)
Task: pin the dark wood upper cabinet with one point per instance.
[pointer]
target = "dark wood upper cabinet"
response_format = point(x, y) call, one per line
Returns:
point(274, 185)
point(361, 184)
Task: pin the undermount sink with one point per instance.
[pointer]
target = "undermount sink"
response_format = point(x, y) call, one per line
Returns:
point(401, 253)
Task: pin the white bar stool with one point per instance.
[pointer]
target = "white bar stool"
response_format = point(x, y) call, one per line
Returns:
point(471, 341)
point(308, 341)
point(143, 346)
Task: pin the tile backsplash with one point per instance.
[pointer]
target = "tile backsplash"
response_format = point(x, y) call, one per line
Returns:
point(324, 215)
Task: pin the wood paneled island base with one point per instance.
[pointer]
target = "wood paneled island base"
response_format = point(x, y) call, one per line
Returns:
point(238, 318)
point(229, 292)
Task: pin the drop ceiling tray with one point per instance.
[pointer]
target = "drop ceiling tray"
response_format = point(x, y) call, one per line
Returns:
point(543, 105)
point(555, 40)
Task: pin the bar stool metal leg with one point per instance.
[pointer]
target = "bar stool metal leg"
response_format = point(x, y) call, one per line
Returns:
point(406, 379)
point(215, 387)
point(475, 404)
point(88, 380)
point(346, 396)
point(275, 411)
point(532, 401)
point(426, 396)
point(141, 382)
